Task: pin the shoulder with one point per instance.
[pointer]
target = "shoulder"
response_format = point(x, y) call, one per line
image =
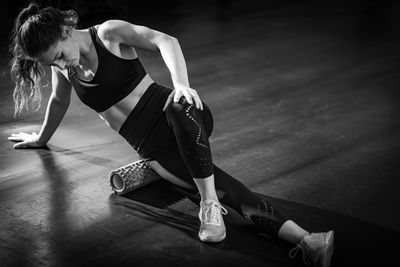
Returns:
point(112, 30)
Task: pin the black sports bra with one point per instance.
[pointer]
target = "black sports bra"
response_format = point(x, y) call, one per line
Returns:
point(114, 79)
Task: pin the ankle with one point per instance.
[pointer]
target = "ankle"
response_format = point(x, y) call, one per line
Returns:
point(206, 187)
point(303, 235)
point(210, 197)
point(292, 232)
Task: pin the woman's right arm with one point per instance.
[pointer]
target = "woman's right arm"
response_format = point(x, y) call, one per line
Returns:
point(56, 108)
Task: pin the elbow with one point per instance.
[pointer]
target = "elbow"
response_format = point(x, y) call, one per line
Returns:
point(172, 39)
point(168, 41)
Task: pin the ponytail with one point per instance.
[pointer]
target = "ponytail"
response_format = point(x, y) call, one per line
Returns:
point(34, 32)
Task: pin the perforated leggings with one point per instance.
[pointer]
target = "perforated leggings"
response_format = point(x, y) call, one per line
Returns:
point(192, 127)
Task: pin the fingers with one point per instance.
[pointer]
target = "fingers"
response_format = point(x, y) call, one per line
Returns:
point(194, 98)
point(22, 134)
point(178, 94)
point(24, 140)
point(169, 99)
point(28, 144)
point(190, 95)
point(197, 99)
point(18, 137)
point(19, 134)
point(15, 138)
point(21, 145)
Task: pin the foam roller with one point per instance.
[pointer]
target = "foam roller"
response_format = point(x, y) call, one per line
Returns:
point(132, 176)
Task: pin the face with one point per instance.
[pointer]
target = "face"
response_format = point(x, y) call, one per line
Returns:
point(64, 53)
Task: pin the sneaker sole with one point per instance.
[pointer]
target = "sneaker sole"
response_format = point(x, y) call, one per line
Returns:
point(327, 252)
point(212, 240)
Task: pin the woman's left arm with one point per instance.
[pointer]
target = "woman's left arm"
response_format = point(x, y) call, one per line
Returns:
point(151, 40)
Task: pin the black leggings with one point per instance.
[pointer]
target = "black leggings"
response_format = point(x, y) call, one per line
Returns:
point(191, 128)
point(178, 140)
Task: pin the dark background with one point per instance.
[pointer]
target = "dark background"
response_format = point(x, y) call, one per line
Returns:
point(375, 19)
point(305, 97)
point(369, 23)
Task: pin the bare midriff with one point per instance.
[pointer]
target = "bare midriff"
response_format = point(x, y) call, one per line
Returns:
point(116, 115)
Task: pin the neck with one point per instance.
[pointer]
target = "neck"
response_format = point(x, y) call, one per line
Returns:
point(85, 44)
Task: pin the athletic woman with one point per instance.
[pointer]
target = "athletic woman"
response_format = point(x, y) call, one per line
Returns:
point(168, 128)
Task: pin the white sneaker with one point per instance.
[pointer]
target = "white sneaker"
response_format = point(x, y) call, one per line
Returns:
point(317, 247)
point(212, 228)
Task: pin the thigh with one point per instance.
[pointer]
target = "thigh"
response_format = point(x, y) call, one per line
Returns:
point(171, 167)
point(230, 191)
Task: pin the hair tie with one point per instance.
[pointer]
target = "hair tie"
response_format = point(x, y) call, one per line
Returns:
point(70, 17)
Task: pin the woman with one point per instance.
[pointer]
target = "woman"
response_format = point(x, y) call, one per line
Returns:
point(168, 128)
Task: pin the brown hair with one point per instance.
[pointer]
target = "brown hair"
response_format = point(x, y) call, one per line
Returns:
point(34, 32)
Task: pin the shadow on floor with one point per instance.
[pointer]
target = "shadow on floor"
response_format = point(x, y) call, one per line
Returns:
point(157, 225)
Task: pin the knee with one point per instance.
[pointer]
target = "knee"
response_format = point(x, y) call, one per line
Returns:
point(176, 111)
point(175, 108)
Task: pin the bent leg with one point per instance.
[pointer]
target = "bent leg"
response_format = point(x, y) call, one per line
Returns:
point(191, 135)
point(191, 128)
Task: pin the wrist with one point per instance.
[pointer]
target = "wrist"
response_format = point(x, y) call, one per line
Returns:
point(41, 141)
point(178, 84)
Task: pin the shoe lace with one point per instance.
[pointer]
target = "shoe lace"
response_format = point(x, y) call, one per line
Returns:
point(293, 253)
point(211, 213)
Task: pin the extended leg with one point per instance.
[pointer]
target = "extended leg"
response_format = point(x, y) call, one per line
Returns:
point(190, 130)
point(318, 247)
point(237, 196)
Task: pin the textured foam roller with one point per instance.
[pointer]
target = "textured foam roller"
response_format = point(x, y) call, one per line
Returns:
point(131, 177)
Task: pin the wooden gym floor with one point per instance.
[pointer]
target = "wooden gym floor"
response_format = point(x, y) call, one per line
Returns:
point(305, 97)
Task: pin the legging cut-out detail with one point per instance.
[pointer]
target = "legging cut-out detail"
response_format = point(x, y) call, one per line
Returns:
point(162, 136)
point(232, 193)
point(186, 122)
point(199, 131)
